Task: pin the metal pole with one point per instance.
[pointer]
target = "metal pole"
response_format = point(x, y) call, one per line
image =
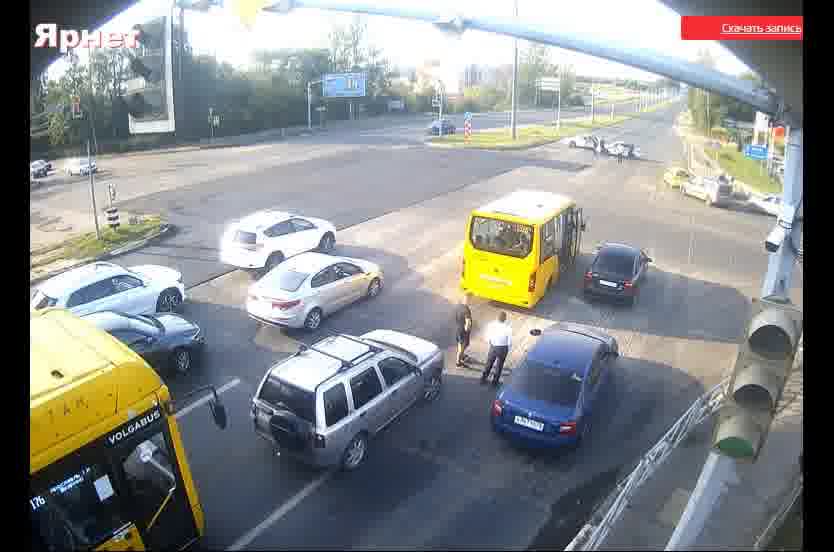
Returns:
point(93, 192)
point(514, 100)
point(559, 108)
point(309, 109)
point(612, 110)
point(440, 113)
point(718, 469)
point(593, 99)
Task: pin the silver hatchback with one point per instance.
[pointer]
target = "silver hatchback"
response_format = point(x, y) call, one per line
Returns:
point(302, 290)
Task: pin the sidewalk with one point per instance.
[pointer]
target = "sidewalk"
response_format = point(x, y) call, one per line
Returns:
point(746, 508)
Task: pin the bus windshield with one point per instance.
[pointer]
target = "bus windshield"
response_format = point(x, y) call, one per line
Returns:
point(502, 237)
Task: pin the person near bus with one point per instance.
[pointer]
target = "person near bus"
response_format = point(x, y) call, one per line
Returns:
point(463, 328)
point(500, 338)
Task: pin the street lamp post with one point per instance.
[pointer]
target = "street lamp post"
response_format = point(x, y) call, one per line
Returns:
point(310, 104)
point(514, 110)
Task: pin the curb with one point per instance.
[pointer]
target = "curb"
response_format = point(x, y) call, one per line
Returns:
point(165, 230)
point(503, 148)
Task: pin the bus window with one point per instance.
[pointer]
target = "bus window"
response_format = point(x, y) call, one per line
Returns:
point(548, 240)
point(502, 237)
point(150, 477)
point(76, 510)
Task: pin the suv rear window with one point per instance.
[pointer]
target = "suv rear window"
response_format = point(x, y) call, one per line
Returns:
point(246, 237)
point(615, 262)
point(502, 237)
point(281, 395)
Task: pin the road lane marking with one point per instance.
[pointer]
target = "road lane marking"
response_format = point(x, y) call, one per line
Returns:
point(283, 510)
point(207, 398)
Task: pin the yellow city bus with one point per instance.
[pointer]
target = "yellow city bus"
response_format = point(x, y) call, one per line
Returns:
point(107, 466)
point(517, 246)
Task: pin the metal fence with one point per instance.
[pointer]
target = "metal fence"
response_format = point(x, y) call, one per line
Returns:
point(606, 515)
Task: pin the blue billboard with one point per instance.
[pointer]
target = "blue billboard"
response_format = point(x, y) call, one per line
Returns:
point(755, 152)
point(344, 85)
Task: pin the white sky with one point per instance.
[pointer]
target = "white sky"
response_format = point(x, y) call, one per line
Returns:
point(640, 23)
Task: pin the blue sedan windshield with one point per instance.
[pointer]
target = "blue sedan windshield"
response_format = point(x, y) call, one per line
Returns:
point(541, 382)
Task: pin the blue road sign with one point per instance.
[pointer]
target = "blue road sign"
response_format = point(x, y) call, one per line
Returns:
point(755, 152)
point(467, 116)
point(344, 85)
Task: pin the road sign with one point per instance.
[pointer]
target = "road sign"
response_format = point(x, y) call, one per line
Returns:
point(435, 102)
point(467, 116)
point(755, 152)
point(344, 85)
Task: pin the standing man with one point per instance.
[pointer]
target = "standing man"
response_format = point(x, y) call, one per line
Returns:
point(499, 336)
point(620, 156)
point(463, 328)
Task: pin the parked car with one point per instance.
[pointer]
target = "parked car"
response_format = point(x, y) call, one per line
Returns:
point(713, 192)
point(438, 128)
point(301, 291)
point(675, 177)
point(166, 341)
point(39, 169)
point(80, 166)
point(617, 271)
point(264, 239)
point(770, 204)
point(99, 286)
point(323, 404)
point(554, 392)
point(584, 142)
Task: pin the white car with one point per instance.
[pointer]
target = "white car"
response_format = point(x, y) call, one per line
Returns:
point(300, 292)
point(771, 204)
point(102, 286)
point(264, 239)
point(627, 150)
point(585, 142)
point(80, 166)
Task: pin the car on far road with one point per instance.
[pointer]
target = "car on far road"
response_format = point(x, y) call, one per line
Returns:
point(438, 128)
point(99, 286)
point(39, 168)
point(323, 404)
point(617, 271)
point(770, 204)
point(264, 239)
point(713, 192)
point(553, 394)
point(80, 166)
point(584, 142)
point(675, 177)
point(301, 291)
point(626, 150)
point(166, 341)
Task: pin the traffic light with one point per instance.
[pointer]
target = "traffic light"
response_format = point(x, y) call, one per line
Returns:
point(763, 365)
point(76, 108)
point(150, 96)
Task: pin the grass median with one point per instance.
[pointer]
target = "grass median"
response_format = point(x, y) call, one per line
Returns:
point(532, 135)
point(748, 171)
point(87, 246)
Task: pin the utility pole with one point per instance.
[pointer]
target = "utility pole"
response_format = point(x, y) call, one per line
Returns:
point(514, 100)
point(310, 103)
point(593, 100)
point(93, 192)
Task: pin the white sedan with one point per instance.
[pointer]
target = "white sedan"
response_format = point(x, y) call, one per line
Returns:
point(771, 204)
point(99, 286)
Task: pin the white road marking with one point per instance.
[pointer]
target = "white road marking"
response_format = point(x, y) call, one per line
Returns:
point(283, 510)
point(207, 398)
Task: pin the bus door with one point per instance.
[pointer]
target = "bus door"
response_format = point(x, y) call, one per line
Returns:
point(145, 462)
point(573, 225)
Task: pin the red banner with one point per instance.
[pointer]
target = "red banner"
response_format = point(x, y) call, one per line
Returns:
point(745, 27)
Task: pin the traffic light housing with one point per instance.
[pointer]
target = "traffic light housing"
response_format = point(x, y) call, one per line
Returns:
point(762, 368)
point(149, 96)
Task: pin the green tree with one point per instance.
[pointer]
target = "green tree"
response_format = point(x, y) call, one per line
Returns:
point(534, 63)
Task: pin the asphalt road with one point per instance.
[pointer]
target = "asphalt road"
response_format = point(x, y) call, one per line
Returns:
point(438, 477)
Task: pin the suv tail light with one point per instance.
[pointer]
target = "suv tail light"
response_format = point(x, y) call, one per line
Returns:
point(318, 440)
point(567, 428)
point(497, 407)
point(628, 284)
point(285, 305)
point(531, 285)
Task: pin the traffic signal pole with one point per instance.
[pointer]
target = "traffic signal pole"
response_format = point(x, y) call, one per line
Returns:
point(719, 469)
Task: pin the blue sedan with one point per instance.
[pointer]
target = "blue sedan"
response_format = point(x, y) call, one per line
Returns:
point(552, 394)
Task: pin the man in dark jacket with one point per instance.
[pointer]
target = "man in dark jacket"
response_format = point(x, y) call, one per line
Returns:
point(463, 328)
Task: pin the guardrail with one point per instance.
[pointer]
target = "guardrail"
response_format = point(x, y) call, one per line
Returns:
point(606, 515)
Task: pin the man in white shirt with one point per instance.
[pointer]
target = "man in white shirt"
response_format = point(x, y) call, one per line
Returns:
point(500, 338)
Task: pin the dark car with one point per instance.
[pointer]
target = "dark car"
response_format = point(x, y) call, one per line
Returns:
point(553, 393)
point(617, 272)
point(438, 128)
point(164, 340)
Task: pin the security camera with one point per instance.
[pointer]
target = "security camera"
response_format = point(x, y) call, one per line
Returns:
point(775, 238)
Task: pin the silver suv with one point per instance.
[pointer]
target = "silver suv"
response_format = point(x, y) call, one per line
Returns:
point(324, 403)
